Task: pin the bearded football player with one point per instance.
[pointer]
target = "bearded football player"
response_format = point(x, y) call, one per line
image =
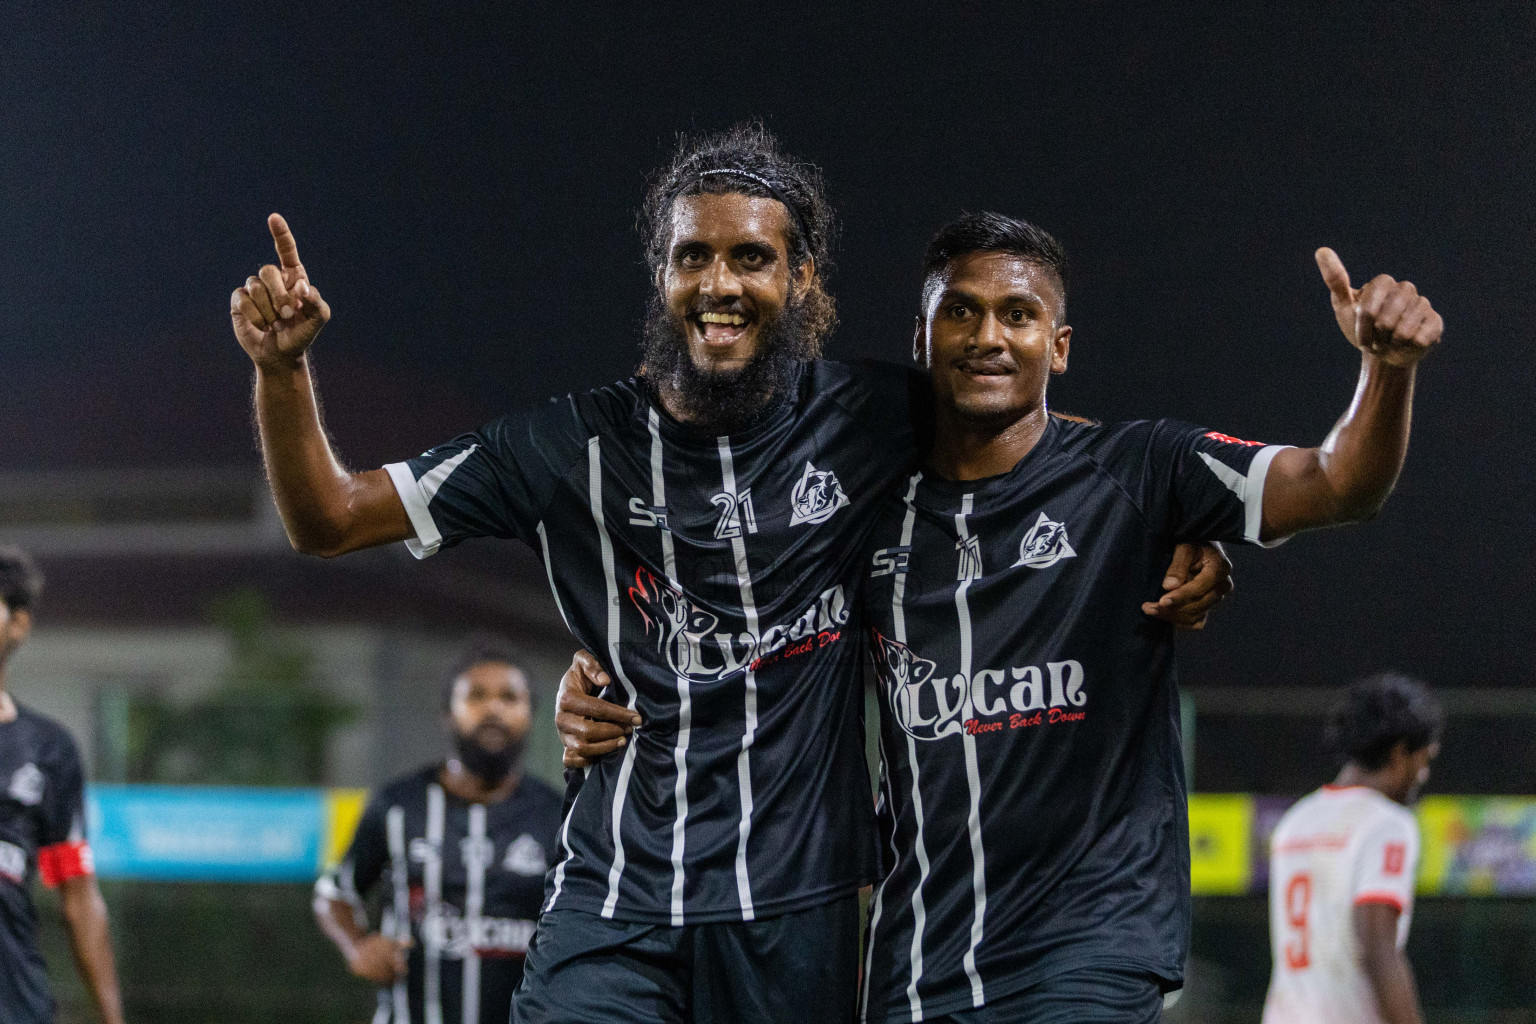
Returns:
point(461, 847)
point(701, 524)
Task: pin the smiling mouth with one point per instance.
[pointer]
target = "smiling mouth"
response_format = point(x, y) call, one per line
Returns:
point(984, 369)
point(718, 328)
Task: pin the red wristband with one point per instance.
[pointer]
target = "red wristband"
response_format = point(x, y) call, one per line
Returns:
point(60, 862)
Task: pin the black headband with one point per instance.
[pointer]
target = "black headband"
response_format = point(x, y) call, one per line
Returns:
point(774, 192)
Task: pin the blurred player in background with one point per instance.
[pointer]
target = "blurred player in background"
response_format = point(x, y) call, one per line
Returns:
point(42, 833)
point(1032, 785)
point(463, 846)
point(1343, 862)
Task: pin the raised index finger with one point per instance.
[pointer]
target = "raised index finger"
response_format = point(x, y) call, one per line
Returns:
point(287, 248)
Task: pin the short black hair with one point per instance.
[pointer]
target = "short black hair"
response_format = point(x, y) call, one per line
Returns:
point(21, 581)
point(703, 163)
point(1379, 712)
point(993, 232)
point(481, 649)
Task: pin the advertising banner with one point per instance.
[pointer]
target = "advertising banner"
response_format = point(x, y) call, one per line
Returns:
point(1472, 846)
point(197, 833)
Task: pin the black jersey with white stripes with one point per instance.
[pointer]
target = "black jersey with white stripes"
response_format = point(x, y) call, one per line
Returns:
point(1032, 793)
point(714, 577)
point(463, 881)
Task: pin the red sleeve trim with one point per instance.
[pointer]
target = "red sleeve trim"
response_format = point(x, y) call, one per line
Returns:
point(1229, 439)
point(1389, 898)
point(60, 862)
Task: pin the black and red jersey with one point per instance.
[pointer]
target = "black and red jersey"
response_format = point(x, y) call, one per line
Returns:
point(714, 577)
point(42, 835)
point(1032, 788)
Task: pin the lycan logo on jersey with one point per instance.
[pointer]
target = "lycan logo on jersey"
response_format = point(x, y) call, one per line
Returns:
point(1045, 544)
point(816, 497)
point(928, 706)
point(694, 646)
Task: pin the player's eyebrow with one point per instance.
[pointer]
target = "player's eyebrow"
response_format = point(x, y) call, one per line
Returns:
point(1024, 298)
point(1027, 298)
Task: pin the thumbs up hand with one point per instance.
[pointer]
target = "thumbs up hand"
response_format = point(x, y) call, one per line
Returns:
point(278, 313)
point(1387, 318)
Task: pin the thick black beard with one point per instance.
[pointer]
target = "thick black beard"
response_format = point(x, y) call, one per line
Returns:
point(489, 766)
point(723, 401)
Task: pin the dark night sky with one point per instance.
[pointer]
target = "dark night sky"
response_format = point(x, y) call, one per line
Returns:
point(463, 182)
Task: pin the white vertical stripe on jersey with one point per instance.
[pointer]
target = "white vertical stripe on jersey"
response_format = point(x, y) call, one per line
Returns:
point(431, 928)
point(621, 788)
point(475, 861)
point(684, 699)
point(749, 733)
point(972, 772)
point(400, 875)
point(549, 570)
point(919, 911)
point(899, 584)
point(565, 842)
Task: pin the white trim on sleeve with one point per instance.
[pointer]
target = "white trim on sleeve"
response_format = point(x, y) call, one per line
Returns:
point(427, 539)
point(1253, 496)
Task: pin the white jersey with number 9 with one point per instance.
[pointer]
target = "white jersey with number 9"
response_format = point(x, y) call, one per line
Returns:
point(1337, 848)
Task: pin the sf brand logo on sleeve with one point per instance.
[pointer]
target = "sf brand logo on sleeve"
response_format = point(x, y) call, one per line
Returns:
point(816, 497)
point(1045, 544)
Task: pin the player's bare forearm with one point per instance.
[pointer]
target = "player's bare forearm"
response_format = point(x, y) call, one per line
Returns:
point(1386, 967)
point(326, 510)
point(339, 924)
point(375, 958)
point(85, 916)
point(276, 316)
point(1391, 979)
point(1349, 476)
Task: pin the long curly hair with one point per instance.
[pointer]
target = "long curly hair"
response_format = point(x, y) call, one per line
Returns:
point(696, 169)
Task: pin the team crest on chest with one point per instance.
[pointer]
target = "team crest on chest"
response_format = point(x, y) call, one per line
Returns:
point(816, 497)
point(27, 785)
point(525, 857)
point(1045, 544)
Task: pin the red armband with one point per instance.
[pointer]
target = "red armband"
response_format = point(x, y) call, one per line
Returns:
point(60, 862)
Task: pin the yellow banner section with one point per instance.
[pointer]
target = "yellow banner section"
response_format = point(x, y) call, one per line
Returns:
point(1220, 844)
point(343, 810)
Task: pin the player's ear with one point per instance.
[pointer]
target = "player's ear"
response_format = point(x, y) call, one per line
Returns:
point(801, 277)
point(18, 628)
point(919, 346)
point(1061, 346)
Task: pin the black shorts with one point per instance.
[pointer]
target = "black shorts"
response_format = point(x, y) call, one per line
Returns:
point(792, 969)
point(1093, 995)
